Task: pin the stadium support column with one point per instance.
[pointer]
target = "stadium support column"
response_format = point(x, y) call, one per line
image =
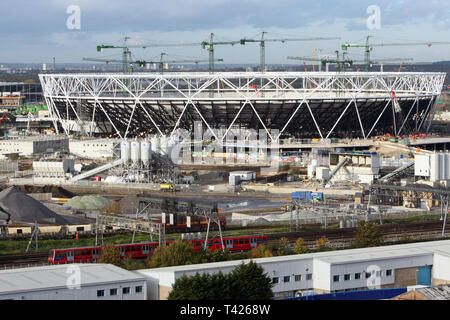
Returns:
point(436, 102)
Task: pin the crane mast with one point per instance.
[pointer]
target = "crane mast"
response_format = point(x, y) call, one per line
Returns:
point(262, 45)
point(368, 47)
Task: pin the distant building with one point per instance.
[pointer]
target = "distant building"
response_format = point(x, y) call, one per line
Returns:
point(27, 146)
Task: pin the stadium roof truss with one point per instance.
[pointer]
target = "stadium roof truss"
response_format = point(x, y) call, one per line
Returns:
point(309, 104)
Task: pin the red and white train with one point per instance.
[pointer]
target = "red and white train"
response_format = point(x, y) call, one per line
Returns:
point(144, 249)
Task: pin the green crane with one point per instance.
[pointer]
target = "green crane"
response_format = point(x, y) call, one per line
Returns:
point(340, 63)
point(142, 63)
point(368, 47)
point(209, 45)
point(262, 45)
point(126, 53)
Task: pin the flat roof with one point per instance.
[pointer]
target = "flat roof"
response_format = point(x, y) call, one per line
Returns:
point(57, 276)
point(430, 141)
point(332, 257)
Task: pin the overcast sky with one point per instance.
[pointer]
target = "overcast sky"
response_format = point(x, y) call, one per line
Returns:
point(36, 31)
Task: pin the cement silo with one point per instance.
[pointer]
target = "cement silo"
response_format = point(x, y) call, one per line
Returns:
point(164, 145)
point(125, 154)
point(146, 152)
point(135, 152)
point(156, 144)
point(443, 164)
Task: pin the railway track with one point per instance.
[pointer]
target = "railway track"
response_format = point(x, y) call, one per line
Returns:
point(338, 238)
point(349, 233)
point(31, 258)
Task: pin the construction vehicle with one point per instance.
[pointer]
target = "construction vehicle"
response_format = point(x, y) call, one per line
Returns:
point(166, 187)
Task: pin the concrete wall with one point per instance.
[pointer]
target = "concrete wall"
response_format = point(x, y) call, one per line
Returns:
point(441, 269)
point(157, 283)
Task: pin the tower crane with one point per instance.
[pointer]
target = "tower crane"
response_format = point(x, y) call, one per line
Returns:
point(142, 63)
point(341, 63)
point(368, 47)
point(126, 53)
point(209, 45)
point(262, 45)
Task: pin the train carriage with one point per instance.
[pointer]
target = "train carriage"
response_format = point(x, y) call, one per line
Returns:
point(145, 249)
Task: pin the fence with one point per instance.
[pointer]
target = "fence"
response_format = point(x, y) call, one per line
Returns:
point(376, 294)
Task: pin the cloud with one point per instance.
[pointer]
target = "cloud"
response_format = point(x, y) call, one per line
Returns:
point(42, 23)
point(47, 16)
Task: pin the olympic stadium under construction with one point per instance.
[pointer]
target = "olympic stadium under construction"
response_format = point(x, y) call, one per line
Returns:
point(301, 104)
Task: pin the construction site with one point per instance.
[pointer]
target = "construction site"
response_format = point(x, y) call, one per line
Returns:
point(149, 155)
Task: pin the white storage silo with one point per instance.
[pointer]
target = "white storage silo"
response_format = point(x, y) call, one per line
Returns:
point(164, 145)
point(434, 167)
point(156, 144)
point(443, 171)
point(135, 152)
point(173, 147)
point(125, 154)
point(447, 166)
point(146, 152)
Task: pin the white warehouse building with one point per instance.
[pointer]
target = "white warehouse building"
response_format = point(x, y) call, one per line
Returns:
point(27, 146)
point(397, 266)
point(95, 149)
point(72, 282)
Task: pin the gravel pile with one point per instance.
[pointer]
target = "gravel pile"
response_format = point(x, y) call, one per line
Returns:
point(93, 202)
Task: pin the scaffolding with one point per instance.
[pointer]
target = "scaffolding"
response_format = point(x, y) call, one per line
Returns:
point(136, 225)
point(184, 207)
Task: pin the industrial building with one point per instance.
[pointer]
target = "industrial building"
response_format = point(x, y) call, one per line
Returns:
point(396, 266)
point(363, 168)
point(61, 170)
point(72, 282)
point(433, 168)
point(94, 148)
point(30, 145)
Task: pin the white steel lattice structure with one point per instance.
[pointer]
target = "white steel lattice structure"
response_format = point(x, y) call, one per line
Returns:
point(299, 104)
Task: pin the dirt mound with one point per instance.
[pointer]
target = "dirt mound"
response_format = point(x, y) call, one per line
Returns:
point(19, 207)
point(57, 192)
